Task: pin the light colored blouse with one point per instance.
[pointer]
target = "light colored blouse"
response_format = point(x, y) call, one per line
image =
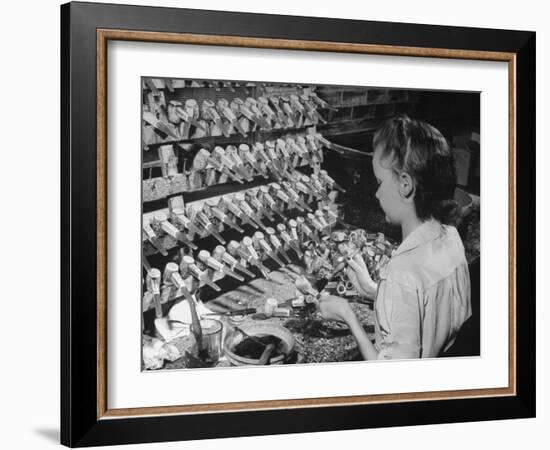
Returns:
point(423, 295)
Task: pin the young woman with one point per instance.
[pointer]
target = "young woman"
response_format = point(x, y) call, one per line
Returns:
point(423, 296)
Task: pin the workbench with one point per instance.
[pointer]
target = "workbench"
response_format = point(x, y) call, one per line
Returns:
point(316, 340)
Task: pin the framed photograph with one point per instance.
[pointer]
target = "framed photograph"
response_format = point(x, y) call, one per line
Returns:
point(279, 224)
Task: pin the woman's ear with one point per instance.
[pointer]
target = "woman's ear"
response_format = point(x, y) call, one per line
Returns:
point(406, 186)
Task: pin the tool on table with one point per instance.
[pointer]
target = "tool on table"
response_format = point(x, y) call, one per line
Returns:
point(266, 355)
point(235, 312)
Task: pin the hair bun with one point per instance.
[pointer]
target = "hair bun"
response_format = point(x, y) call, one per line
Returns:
point(446, 211)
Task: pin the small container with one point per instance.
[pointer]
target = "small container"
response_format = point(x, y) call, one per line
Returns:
point(341, 288)
point(270, 305)
point(211, 350)
point(281, 312)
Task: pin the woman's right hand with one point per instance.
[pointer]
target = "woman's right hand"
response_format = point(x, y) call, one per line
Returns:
point(359, 275)
point(335, 308)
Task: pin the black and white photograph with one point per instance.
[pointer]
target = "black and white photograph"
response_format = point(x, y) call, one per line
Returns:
point(272, 226)
point(290, 223)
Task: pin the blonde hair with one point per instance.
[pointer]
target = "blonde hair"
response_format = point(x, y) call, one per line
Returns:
point(420, 150)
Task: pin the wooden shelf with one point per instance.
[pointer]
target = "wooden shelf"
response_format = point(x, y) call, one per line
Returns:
point(252, 136)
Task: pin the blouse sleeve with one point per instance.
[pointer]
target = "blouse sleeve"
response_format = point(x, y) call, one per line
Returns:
point(400, 321)
point(446, 307)
point(415, 323)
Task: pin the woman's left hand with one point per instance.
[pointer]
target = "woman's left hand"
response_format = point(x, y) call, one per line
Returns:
point(359, 275)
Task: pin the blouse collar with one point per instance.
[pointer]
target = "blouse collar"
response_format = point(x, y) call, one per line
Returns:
point(426, 232)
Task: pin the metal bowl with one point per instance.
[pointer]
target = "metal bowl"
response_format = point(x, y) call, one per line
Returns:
point(233, 337)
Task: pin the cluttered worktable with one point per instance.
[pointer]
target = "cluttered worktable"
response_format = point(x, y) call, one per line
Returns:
point(281, 305)
point(315, 339)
